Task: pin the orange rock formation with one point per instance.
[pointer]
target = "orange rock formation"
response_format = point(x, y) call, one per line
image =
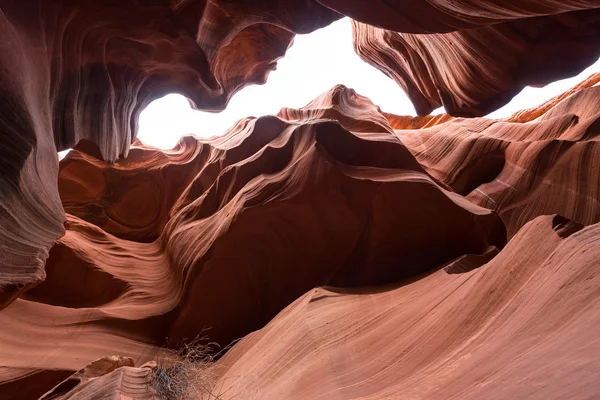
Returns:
point(358, 254)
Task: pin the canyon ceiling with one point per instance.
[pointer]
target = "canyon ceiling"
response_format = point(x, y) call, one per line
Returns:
point(356, 253)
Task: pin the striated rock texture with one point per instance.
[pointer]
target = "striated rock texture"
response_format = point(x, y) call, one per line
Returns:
point(513, 324)
point(359, 254)
point(224, 234)
point(441, 16)
point(520, 167)
point(105, 378)
point(472, 72)
point(82, 69)
point(78, 70)
point(522, 326)
point(215, 238)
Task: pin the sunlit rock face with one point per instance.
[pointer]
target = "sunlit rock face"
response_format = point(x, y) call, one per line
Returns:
point(472, 57)
point(440, 16)
point(358, 254)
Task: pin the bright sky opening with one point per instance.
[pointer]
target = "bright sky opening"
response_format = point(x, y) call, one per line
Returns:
point(314, 64)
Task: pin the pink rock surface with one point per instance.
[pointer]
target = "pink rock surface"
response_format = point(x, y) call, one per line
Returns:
point(359, 254)
point(521, 326)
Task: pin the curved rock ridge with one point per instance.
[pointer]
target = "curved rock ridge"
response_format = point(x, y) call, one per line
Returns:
point(520, 167)
point(133, 198)
point(534, 112)
point(518, 327)
point(84, 70)
point(108, 377)
point(294, 230)
point(503, 330)
point(241, 226)
point(225, 233)
point(478, 317)
point(472, 72)
point(449, 16)
point(349, 108)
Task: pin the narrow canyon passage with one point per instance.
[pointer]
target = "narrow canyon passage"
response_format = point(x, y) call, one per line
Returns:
point(406, 207)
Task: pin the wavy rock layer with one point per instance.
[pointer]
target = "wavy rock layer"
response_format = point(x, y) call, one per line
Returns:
point(472, 72)
point(225, 234)
point(444, 16)
point(521, 169)
point(78, 70)
point(84, 70)
point(124, 258)
point(106, 378)
point(512, 324)
point(333, 194)
point(519, 327)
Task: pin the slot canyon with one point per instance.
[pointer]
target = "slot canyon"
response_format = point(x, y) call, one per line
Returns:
point(330, 251)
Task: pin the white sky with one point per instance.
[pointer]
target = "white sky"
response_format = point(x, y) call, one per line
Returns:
point(314, 64)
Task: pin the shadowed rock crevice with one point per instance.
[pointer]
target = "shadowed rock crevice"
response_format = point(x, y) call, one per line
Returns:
point(94, 287)
point(482, 170)
point(565, 227)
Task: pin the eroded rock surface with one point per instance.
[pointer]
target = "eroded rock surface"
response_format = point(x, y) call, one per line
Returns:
point(357, 253)
point(472, 72)
point(450, 16)
point(242, 226)
point(333, 194)
point(518, 327)
point(84, 70)
point(108, 377)
point(520, 167)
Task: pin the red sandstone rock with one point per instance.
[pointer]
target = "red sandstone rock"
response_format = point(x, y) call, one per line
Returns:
point(76, 70)
point(274, 208)
point(225, 234)
point(520, 167)
point(82, 69)
point(252, 221)
point(440, 16)
point(521, 326)
point(475, 71)
point(108, 377)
